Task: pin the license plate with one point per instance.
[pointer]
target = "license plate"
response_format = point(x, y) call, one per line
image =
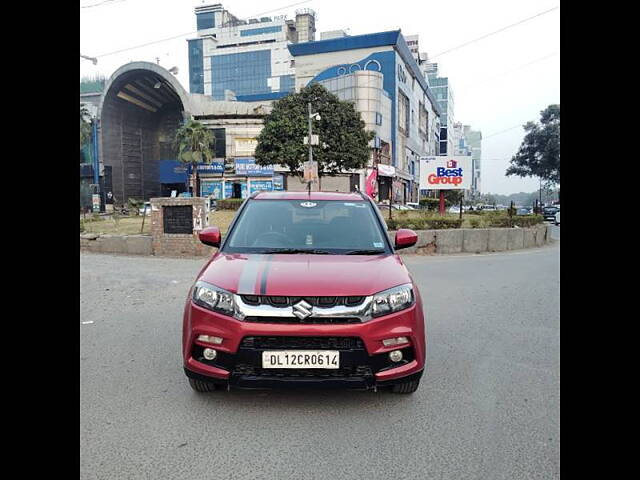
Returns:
point(301, 359)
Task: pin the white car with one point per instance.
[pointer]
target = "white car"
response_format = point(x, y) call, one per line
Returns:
point(557, 220)
point(454, 209)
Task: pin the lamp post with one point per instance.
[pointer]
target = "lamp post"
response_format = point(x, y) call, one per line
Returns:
point(310, 141)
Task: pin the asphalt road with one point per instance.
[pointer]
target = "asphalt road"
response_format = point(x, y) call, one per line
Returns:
point(487, 408)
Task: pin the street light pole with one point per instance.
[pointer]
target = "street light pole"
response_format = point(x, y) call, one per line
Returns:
point(310, 147)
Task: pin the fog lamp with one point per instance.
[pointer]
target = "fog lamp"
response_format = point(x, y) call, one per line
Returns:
point(395, 356)
point(210, 353)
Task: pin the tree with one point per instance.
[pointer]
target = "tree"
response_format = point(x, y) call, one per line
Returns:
point(85, 124)
point(539, 153)
point(344, 142)
point(194, 144)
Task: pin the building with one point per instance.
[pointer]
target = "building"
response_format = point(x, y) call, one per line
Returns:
point(245, 60)
point(380, 75)
point(474, 140)
point(444, 95)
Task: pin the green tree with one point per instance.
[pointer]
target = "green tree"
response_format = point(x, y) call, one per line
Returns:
point(194, 144)
point(344, 142)
point(85, 124)
point(539, 153)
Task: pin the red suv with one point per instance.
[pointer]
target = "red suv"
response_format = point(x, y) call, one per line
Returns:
point(305, 290)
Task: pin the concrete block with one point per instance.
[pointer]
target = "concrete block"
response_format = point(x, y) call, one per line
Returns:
point(498, 239)
point(541, 231)
point(547, 237)
point(139, 244)
point(515, 238)
point(112, 244)
point(449, 241)
point(475, 240)
point(529, 237)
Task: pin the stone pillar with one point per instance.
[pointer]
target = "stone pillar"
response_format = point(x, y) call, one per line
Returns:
point(175, 224)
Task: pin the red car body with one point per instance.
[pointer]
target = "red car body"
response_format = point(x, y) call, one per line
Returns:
point(304, 276)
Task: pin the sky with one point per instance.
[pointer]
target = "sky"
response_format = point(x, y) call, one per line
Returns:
point(499, 82)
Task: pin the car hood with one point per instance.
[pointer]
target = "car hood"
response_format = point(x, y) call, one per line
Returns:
point(305, 275)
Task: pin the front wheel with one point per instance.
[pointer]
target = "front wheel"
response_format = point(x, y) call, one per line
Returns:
point(406, 387)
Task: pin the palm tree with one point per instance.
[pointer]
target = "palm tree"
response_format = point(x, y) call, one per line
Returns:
point(85, 124)
point(194, 144)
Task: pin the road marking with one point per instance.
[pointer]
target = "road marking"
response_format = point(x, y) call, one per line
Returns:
point(87, 323)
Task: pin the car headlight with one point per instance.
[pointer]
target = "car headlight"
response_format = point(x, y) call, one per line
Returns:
point(213, 298)
point(393, 300)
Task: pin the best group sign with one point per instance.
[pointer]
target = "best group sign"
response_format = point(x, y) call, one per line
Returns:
point(445, 173)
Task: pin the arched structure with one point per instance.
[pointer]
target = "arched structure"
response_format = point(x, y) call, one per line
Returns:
point(142, 106)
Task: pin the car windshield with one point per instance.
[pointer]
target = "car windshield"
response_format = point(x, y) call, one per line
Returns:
point(307, 226)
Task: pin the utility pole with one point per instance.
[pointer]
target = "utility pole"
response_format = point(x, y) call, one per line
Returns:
point(310, 147)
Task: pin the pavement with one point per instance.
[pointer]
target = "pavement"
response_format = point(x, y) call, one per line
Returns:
point(487, 407)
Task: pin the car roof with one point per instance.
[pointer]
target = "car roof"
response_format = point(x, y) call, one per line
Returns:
point(347, 197)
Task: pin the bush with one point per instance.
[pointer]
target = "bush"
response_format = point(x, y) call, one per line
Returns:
point(496, 221)
point(474, 222)
point(229, 204)
point(528, 220)
point(442, 223)
point(430, 203)
point(81, 226)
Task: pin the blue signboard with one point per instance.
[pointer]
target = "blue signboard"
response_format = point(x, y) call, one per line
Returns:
point(211, 189)
point(213, 167)
point(247, 166)
point(261, 185)
point(173, 171)
point(278, 182)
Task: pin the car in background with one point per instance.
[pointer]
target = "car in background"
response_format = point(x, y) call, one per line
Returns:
point(524, 211)
point(557, 219)
point(488, 208)
point(414, 206)
point(146, 209)
point(549, 213)
point(454, 209)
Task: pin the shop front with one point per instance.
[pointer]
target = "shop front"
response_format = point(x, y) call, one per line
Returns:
point(244, 179)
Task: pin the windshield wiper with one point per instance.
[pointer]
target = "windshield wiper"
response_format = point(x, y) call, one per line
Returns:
point(362, 252)
point(299, 250)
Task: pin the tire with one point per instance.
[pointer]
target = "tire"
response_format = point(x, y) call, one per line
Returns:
point(407, 387)
point(202, 387)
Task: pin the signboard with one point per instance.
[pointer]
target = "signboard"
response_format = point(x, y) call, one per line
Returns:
point(247, 166)
point(261, 185)
point(446, 173)
point(177, 219)
point(386, 170)
point(278, 182)
point(246, 146)
point(213, 167)
point(310, 171)
point(95, 200)
point(372, 183)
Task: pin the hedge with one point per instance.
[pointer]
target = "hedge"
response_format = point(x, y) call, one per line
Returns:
point(425, 223)
point(229, 204)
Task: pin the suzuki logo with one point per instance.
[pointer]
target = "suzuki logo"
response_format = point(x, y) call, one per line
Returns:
point(302, 309)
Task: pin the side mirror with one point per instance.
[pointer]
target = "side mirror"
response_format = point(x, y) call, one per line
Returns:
point(210, 236)
point(405, 238)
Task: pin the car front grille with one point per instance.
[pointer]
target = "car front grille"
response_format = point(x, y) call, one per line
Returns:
point(308, 320)
point(280, 301)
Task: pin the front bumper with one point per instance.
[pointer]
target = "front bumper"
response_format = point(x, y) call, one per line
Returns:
point(364, 361)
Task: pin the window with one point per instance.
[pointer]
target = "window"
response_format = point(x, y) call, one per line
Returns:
point(196, 69)
point(404, 113)
point(244, 73)
point(333, 226)
point(423, 126)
